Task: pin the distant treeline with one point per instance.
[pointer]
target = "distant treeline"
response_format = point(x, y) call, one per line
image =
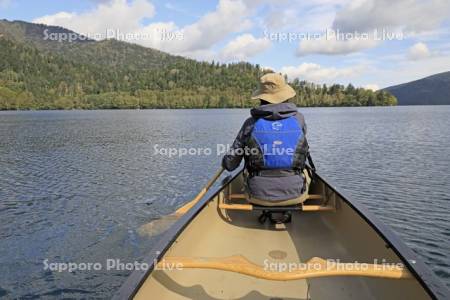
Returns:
point(34, 79)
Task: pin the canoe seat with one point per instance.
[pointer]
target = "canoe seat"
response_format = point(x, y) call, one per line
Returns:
point(243, 196)
point(252, 207)
point(283, 271)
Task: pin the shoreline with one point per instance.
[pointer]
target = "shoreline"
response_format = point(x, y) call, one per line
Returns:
point(209, 108)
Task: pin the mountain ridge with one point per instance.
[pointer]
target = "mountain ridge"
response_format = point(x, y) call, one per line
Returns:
point(430, 90)
point(84, 50)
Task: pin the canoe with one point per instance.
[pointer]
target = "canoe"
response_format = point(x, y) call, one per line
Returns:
point(333, 248)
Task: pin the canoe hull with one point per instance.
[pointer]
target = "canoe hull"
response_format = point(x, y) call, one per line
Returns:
point(344, 235)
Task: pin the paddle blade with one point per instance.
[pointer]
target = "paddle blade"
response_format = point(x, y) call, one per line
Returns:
point(158, 226)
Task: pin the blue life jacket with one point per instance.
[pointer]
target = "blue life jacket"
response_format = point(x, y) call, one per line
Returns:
point(278, 141)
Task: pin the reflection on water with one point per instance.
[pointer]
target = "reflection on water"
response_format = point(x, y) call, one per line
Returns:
point(75, 186)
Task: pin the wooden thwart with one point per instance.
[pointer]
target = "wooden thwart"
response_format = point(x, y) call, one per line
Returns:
point(236, 206)
point(317, 208)
point(237, 196)
point(315, 267)
point(242, 196)
point(249, 207)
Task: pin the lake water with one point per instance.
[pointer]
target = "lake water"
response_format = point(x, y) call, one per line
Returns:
point(76, 185)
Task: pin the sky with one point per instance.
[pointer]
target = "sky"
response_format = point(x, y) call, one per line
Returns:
point(369, 43)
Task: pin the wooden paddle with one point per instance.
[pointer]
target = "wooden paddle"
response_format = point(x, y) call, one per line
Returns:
point(163, 223)
point(315, 267)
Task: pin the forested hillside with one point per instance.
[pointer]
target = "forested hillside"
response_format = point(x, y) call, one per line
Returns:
point(42, 74)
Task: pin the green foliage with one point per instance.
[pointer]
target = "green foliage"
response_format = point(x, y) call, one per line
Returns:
point(112, 74)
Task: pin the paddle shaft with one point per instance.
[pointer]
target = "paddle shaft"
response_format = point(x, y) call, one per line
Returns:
point(185, 208)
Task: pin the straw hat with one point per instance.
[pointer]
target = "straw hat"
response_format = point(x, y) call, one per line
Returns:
point(273, 88)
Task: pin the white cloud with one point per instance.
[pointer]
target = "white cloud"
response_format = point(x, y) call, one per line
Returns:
point(316, 16)
point(279, 18)
point(372, 86)
point(244, 47)
point(419, 51)
point(397, 18)
point(116, 14)
point(300, 15)
point(179, 10)
point(334, 46)
point(408, 15)
point(316, 73)
point(267, 68)
point(397, 70)
point(229, 17)
point(158, 35)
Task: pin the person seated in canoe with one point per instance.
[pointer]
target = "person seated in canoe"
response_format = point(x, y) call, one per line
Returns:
point(273, 144)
